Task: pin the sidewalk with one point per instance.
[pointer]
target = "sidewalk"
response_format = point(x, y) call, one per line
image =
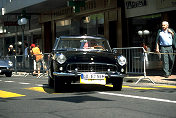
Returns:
point(157, 79)
point(155, 76)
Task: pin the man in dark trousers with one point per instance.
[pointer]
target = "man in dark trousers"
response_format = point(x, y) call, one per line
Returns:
point(166, 43)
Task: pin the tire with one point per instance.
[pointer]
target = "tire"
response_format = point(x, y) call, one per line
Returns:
point(50, 82)
point(58, 84)
point(50, 77)
point(117, 84)
point(50, 73)
point(9, 74)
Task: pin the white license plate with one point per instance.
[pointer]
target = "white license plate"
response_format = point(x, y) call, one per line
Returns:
point(87, 78)
point(0, 71)
point(92, 76)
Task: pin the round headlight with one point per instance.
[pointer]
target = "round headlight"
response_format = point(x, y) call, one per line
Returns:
point(121, 60)
point(61, 58)
point(10, 63)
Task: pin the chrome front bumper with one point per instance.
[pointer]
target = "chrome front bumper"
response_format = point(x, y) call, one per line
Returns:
point(79, 74)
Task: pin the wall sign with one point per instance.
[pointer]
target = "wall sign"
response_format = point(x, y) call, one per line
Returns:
point(135, 8)
point(166, 3)
point(134, 4)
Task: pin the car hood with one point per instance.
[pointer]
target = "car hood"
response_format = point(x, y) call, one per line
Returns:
point(3, 63)
point(97, 57)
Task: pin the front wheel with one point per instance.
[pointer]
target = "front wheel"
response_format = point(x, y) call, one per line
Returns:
point(50, 82)
point(117, 84)
point(58, 84)
point(9, 74)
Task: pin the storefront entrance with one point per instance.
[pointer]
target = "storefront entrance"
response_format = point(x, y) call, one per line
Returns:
point(113, 34)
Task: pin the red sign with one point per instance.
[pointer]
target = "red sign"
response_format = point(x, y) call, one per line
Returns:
point(10, 23)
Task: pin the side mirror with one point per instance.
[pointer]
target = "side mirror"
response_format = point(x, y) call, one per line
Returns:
point(114, 50)
point(117, 51)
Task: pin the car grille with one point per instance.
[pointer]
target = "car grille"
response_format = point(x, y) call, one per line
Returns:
point(91, 68)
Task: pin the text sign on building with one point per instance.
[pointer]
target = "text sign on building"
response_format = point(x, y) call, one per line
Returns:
point(10, 23)
point(134, 4)
point(166, 3)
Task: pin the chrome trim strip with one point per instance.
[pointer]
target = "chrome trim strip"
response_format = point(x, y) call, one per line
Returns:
point(79, 74)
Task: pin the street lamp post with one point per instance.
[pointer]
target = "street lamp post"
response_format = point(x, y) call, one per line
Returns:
point(143, 33)
point(22, 22)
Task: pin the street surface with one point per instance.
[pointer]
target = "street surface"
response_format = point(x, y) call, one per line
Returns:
point(30, 97)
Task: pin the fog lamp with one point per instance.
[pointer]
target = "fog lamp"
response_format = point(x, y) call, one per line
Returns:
point(122, 70)
point(61, 68)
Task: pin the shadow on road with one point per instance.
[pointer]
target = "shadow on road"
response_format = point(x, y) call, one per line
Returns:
point(78, 88)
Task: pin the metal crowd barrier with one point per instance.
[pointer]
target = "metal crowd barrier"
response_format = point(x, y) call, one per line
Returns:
point(136, 61)
point(25, 64)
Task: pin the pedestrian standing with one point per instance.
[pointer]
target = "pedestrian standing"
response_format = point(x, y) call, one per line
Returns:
point(38, 58)
point(26, 53)
point(165, 43)
point(27, 50)
point(11, 54)
point(11, 50)
point(33, 58)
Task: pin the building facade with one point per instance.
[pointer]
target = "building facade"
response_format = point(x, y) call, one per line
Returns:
point(96, 17)
point(147, 15)
point(142, 20)
point(117, 20)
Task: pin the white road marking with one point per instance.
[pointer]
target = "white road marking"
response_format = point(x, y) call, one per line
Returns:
point(23, 83)
point(138, 97)
point(0, 80)
point(9, 81)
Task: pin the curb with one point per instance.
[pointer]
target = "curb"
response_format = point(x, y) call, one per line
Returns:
point(134, 79)
point(128, 79)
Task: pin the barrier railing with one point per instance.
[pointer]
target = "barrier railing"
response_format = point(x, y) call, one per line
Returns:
point(136, 61)
point(27, 64)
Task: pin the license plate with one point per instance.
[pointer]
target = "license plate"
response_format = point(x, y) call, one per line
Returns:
point(92, 76)
point(0, 71)
point(88, 78)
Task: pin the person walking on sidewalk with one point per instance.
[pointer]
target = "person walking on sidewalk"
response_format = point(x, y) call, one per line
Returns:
point(33, 59)
point(38, 56)
point(39, 60)
point(166, 43)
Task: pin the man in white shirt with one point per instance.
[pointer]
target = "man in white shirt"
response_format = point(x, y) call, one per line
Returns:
point(165, 41)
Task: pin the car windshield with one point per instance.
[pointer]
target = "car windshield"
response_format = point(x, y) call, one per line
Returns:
point(85, 44)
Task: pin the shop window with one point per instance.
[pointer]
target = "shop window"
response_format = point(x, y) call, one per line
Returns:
point(143, 30)
point(142, 33)
point(93, 24)
point(63, 27)
point(81, 25)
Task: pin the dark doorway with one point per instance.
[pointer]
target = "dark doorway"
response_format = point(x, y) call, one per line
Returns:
point(113, 34)
point(47, 37)
point(172, 24)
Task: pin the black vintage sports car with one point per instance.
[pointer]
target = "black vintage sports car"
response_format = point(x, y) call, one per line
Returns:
point(85, 59)
point(6, 67)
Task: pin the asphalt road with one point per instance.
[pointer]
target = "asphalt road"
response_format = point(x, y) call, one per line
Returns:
point(29, 97)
